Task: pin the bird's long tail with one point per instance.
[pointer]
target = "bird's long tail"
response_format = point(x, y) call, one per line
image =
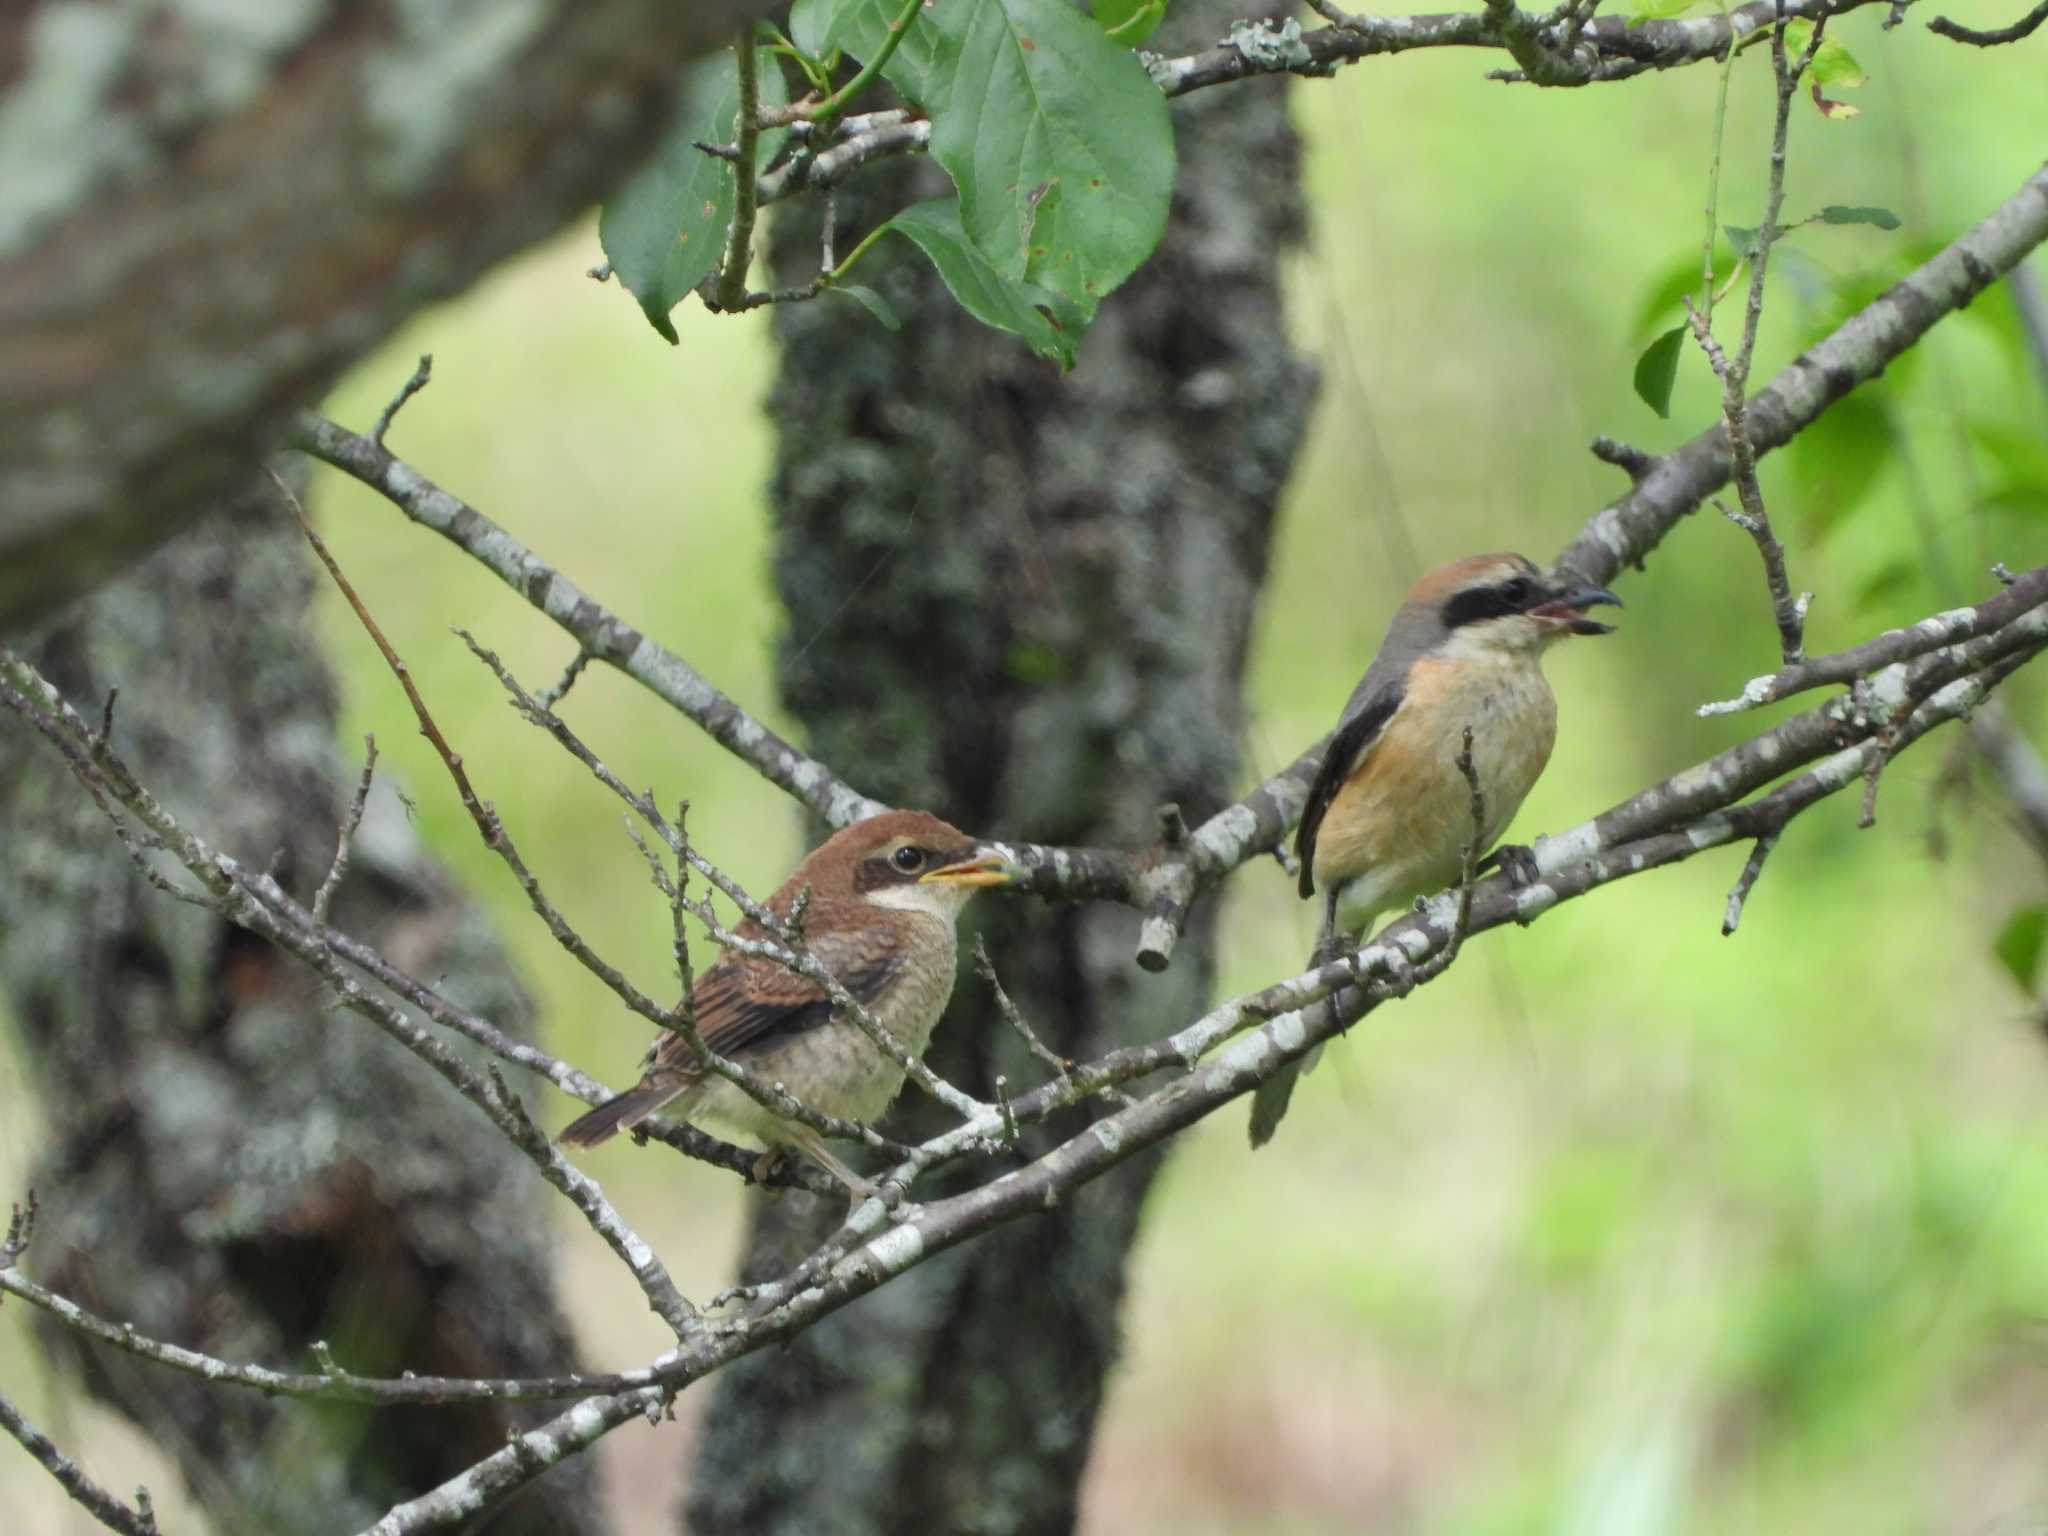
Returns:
point(626, 1110)
point(1270, 1098)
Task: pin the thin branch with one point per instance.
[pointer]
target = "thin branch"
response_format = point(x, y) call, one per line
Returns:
point(2022, 594)
point(421, 376)
point(1731, 918)
point(1675, 483)
point(558, 690)
point(331, 1383)
point(2026, 26)
point(256, 902)
point(101, 1505)
point(731, 287)
point(343, 844)
point(481, 813)
point(839, 100)
point(599, 632)
point(1788, 612)
point(1566, 47)
point(784, 946)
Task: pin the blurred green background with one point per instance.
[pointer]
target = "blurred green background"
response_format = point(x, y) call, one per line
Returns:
point(1621, 1227)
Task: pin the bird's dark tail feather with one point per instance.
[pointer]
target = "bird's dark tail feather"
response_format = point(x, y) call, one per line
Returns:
point(1269, 1102)
point(623, 1112)
point(1270, 1098)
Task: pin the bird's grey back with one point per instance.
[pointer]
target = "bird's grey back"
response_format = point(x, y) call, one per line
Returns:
point(1416, 629)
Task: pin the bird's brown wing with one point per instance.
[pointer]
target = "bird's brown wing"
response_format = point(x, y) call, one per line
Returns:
point(746, 1003)
point(1360, 727)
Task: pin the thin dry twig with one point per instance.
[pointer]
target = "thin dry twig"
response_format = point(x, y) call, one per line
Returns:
point(2026, 26)
point(1731, 918)
point(421, 376)
point(95, 1500)
point(338, 870)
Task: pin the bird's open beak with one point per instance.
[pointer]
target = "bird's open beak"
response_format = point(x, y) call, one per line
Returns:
point(1568, 609)
point(983, 866)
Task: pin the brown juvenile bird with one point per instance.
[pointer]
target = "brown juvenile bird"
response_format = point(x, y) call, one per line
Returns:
point(1389, 814)
point(884, 896)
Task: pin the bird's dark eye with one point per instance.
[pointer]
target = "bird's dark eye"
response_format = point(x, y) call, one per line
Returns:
point(909, 860)
point(1517, 591)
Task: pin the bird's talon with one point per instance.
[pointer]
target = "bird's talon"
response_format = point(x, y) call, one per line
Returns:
point(1518, 862)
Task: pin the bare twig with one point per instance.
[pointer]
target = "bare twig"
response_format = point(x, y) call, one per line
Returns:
point(1731, 919)
point(558, 690)
point(338, 870)
point(1468, 860)
point(412, 386)
point(332, 1382)
point(257, 903)
point(730, 288)
point(101, 1505)
point(2026, 26)
point(2022, 594)
point(481, 812)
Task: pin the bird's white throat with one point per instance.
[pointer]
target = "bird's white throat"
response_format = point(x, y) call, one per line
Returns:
point(941, 899)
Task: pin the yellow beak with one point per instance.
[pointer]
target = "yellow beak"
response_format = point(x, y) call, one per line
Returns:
point(984, 867)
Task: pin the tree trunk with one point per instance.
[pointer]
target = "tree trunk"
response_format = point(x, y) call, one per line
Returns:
point(1023, 602)
point(231, 1164)
point(211, 211)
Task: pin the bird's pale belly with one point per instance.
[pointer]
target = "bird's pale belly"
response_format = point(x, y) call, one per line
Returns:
point(1396, 829)
point(835, 1068)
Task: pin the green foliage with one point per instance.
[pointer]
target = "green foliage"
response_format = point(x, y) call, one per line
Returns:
point(664, 231)
point(1657, 370)
point(1661, 10)
point(870, 301)
point(1047, 322)
point(1130, 22)
point(1835, 213)
point(1833, 67)
point(1058, 141)
point(1059, 145)
point(2019, 942)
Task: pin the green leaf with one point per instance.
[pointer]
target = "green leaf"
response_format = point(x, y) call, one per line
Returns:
point(1050, 324)
point(870, 301)
point(1657, 370)
point(1660, 10)
point(665, 230)
point(1058, 140)
point(1833, 66)
point(1743, 239)
point(1130, 22)
point(2019, 943)
point(1835, 213)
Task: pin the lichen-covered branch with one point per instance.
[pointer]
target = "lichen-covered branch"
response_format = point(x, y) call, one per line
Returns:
point(257, 903)
point(1669, 486)
point(600, 633)
point(2027, 591)
point(89, 1495)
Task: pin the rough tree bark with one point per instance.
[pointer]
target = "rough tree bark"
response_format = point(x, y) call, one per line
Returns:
point(227, 1163)
point(210, 210)
point(1022, 602)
